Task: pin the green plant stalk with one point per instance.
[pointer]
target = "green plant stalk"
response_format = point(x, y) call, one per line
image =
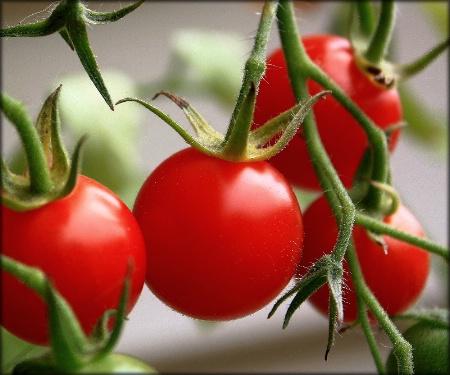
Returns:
point(366, 18)
point(402, 348)
point(367, 329)
point(408, 70)
point(256, 64)
point(15, 111)
point(379, 43)
point(331, 184)
point(375, 135)
point(379, 227)
point(301, 67)
point(33, 279)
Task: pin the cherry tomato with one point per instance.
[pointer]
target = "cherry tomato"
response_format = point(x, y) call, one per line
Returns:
point(343, 138)
point(111, 363)
point(117, 363)
point(396, 279)
point(83, 242)
point(223, 238)
point(430, 349)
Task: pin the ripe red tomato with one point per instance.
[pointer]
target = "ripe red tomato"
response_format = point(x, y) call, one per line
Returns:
point(396, 279)
point(83, 242)
point(343, 138)
point(223, 238)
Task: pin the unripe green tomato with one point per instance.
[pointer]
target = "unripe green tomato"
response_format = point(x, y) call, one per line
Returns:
point(117, 363)
point(112, 363)
point(430, 349)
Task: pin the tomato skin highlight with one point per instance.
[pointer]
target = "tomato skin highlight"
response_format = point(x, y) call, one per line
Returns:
point(223, 238)
point(83, 242)
point(396, 279)
point(342, 136)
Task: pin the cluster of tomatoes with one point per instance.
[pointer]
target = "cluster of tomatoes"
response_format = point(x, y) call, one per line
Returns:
point(396, 278)
point(216, 239)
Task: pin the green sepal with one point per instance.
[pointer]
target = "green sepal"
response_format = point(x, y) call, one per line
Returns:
point(325, 270)
point(246, 144)
point(48, 127)
point(336, 309)
point(334, 278)
point(66, 335)
point(49, 175)
point(332, 320)
point(103, 340)
point(101, 18)
point(71, 350)
point(65, 35)
point(199, 124)
point(69, 19)
point(306, 286)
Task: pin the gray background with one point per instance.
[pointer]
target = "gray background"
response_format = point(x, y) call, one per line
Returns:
point(138, 45)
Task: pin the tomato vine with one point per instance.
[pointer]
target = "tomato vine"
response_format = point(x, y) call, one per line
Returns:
point(248, 266)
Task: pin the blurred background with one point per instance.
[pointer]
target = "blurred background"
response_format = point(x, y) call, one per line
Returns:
point(198, 50)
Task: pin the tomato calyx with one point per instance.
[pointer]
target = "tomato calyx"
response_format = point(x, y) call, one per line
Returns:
point(370, 44)
point(325, 270)
point(239, 144)
point(49, 174)
point(387, 75)
point(71, 350)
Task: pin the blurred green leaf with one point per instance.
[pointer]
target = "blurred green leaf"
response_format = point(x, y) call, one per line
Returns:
point(423, 123)
point(438, 13)
point(203, 62)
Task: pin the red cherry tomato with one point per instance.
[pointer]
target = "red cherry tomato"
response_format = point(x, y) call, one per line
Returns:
point(343, 138)
point(396, 279)
point(223, 238)
point(83, 242)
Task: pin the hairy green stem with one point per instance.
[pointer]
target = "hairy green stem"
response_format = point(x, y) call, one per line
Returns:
point(375, 135)
point(300, 67)
point(366, 327)
point(402, 348)
point(16, 112)
point(379, 227)
point(256, 64)
point(296, 59)
point(379, 43)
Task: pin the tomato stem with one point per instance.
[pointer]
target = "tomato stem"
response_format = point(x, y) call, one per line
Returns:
point(380, 227)
point(402, 348)
point(254, 67)
point(366, 17)
point(363, 319)
point(341, 203)
point(379, 43)
point(405, 71)
point(39, 172)
point(299, 66)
